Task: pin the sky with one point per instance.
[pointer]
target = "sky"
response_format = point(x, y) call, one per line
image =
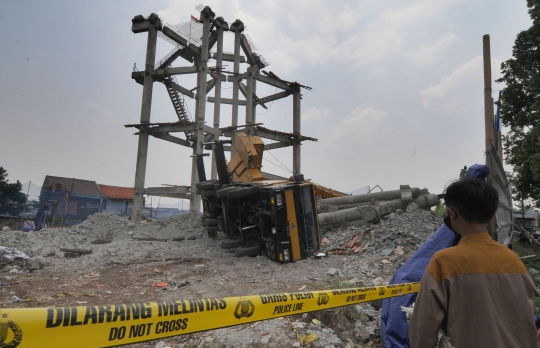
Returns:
point(397, 87)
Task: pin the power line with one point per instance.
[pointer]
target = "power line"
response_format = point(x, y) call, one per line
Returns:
point(279, 161)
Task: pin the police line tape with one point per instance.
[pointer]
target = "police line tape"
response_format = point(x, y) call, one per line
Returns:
point(114, 325)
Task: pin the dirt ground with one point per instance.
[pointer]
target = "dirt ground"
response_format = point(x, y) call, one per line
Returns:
point(124, 270)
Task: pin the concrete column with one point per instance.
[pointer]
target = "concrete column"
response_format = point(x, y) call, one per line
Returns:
point(249, 96)
point(193, 198)
point(237, 28)
point(206, 17)
point(254, 89)
point(146, 107)
point(221, 25)
point(296, 128)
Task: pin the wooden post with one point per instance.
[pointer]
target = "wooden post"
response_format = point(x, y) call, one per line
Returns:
point(488, 120)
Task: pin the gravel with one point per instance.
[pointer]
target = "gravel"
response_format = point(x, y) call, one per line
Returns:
point(217, 272)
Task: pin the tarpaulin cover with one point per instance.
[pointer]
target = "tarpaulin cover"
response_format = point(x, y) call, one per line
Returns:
point(394, 326)
point(479, 171)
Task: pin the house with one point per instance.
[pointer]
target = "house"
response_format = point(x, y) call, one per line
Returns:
point(83, 197)
point(118, 200)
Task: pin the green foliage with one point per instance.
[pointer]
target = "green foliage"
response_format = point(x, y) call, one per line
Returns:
point(520, 109)
point(11, 197)
point(440, 209)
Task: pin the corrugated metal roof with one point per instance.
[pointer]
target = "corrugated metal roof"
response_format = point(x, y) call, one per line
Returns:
point(77, 187)
point(117, 192)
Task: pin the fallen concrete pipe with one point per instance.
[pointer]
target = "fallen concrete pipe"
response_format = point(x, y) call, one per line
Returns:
point(344, 215)
point(373, 213)
point(366, 198)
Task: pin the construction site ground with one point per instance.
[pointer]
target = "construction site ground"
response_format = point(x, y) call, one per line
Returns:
point(176, 250)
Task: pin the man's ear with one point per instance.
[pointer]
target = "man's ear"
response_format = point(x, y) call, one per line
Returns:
point(493, 217)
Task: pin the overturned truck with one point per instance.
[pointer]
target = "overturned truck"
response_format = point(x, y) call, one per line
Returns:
point(259, 216)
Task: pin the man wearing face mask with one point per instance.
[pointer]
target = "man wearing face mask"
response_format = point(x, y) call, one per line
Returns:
point(478, 291)
point(394, 325)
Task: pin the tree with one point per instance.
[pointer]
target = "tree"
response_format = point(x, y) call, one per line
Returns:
point(520, 109)
point(11, 197)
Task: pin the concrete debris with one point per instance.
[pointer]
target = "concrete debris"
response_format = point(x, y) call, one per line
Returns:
point(5, 229)
point(200, 268)
point(12, 253)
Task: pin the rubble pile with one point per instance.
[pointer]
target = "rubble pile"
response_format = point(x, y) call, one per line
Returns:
point(352, 262)
point(408, 229)
point(119, 240)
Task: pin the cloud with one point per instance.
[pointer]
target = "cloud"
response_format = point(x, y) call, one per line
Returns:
point(359, 124)
point(459, 90)
point(316, 115)
point(357, 34)
point(428, 54)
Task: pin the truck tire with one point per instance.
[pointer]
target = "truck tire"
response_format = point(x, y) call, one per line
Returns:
point(211, 229)
point(203, 220)
point(208, 193)
point(249, 251)
point(232, 244)
point(211, 222)
point(224, 191)
point(206, 185)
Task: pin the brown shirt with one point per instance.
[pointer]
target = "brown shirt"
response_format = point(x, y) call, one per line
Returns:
point(481, 294)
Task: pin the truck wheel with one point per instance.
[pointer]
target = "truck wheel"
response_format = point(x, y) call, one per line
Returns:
point(224, 191)
point(203, 220)
point(206, 185)
point(211, 222)
point(249, 251)
point(232, 244)
point(208, 193)
point(211, 229)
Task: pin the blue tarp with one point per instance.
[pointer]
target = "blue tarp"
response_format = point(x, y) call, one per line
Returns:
point(394, 326)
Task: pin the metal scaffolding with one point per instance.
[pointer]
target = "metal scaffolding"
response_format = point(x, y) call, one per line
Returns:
point(193, 41)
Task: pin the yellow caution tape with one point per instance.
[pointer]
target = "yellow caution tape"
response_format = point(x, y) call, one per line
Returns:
point(113, 325)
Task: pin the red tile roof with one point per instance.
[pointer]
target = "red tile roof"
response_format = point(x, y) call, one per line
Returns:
point(117, 192)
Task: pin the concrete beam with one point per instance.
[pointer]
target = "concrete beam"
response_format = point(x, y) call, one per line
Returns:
point(275, 97)
point(180, 40)
point(226, 101)
point(246, 48)
point(170, 191)
point(138, 76)
point(217, 76)
point(270, 135)
point(140, 27)
point(272, 82)
point(183, 90)
point(211, 130)
point(243, 89)
point(171, 128)
point(212, 40)
point(172, 139)
point(181, 70)
point(277, 145)
point(230, 58)
point(209, 85)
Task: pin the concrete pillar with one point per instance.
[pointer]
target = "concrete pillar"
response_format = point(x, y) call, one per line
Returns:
point(206, 17)
point(146, 107)
point(249, 96)
point(237, 28)
point(296, 128)
point(254, 89)
point(221, 25)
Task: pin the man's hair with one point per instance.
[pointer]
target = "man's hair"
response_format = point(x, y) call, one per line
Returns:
point(474, 199)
